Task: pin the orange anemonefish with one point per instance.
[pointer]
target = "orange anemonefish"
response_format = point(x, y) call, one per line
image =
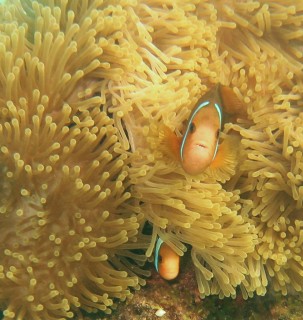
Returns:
point(166, 261)
point(199, 146)
point(197, 150)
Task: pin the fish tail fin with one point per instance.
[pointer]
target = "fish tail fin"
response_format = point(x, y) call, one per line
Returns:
point(169, 143)
point(231, 103)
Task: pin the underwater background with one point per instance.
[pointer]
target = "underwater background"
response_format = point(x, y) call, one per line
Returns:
point(93, 95)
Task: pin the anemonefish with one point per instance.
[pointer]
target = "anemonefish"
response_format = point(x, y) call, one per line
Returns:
point(199, 146)
point(166, 260)
point(198, 149)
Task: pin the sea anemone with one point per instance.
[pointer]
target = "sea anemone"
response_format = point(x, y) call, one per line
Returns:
point(85, 89)
point(67, 230)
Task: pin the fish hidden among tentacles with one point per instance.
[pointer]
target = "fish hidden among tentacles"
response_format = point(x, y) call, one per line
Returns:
point(199, 147)
point(166, 260)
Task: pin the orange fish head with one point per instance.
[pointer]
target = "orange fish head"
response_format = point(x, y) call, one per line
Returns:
point(169, 262)
point(201, 141)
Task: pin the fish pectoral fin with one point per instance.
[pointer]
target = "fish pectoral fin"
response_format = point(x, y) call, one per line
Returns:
point(169, 143)
point(224, 153)
point(219, 159)
point(231, 103)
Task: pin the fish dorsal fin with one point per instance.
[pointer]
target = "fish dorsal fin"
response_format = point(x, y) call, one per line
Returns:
point(231, 103)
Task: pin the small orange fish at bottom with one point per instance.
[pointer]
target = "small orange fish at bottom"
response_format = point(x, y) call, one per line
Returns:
point(167, 261)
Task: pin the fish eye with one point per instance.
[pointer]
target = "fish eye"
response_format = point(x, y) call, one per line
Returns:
point(192, 127)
